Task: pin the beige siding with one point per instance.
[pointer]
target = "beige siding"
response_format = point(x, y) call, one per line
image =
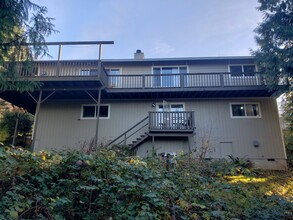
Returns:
point(60, 125)
point(208, 68)
point(133, 70)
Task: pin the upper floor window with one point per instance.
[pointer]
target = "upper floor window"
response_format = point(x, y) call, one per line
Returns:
point(114, 78)
point(88, 72)
point(242, 70)
point(242, 110)
point(90, 111)
point(164, 76)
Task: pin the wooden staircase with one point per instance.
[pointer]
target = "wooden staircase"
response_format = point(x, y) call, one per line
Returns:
point(139, 140)
point(159, 124)
point(134, 136)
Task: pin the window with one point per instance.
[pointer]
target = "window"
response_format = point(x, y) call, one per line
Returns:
point(163, 76)
point(248, 110)
point(174, 107)
point(90, 111)
point(242, 70)
point(88, 72)
point(114, 79)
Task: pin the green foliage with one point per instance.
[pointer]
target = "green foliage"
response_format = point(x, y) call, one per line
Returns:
point(99, 186)
point(288, 132)
point(274, 38)
point(21, 22)
point(8, 123)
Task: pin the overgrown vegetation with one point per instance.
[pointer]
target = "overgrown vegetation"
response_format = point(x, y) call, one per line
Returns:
point(73, 185)
point(15, 125)
point(274, 56)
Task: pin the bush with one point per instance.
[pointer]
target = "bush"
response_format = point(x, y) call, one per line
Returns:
point(73, 185)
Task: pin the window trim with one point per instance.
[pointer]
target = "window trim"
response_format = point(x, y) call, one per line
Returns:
point(244, 103)
point(171, 103)
point(168, 66)
point(117, 82)
point(242, 70)
point(87, 71)
point(81, 115)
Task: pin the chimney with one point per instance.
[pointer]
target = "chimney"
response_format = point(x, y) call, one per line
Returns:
point(138, 55)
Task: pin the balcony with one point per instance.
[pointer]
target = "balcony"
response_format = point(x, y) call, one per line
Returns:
point(171, 122)
point(88, 70)
point(72, 78)
point(63, 74)
point(189, 80)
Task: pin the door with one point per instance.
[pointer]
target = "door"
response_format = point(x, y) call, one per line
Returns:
point(169, 115)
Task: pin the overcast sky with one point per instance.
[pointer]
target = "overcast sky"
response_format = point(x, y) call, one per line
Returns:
point(160, 28)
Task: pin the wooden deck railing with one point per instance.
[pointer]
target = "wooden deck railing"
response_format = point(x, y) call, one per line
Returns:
point(139, 81)
point(171, 121)
point(187, 80)
point(49, 69)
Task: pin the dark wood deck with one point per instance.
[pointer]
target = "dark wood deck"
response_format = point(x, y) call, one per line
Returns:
point(171, 122)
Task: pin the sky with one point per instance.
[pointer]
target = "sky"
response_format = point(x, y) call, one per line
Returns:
point(160, 28)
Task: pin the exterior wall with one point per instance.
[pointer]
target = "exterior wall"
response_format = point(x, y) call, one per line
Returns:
point(134, 70)
point(60, 126)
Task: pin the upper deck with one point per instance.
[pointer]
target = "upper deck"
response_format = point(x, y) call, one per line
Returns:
point(183, 78)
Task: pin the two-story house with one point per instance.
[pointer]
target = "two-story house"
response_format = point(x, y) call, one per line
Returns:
point(162, 105)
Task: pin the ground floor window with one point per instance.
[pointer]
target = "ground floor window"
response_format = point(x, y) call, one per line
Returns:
point(90, 111)
point(245, 110)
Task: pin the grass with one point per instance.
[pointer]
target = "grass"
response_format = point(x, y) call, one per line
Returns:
point(270, 183)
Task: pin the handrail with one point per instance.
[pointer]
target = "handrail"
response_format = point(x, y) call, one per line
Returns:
point(123, 134)
point(134, 133)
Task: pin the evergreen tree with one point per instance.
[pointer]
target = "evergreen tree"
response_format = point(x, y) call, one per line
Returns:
point(21, 21)
point(275, 54)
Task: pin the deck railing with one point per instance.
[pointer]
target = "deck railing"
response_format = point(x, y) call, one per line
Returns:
point(187, 80)
point(171, 121)
point(78, 68)
point(49, 69)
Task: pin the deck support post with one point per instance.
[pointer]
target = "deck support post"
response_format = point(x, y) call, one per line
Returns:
point(36, 120)
point(59, 58)
point(153, 144)
point(189, 144)
point(98, 119)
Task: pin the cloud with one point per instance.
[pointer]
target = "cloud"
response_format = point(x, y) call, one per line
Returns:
point(162, 48)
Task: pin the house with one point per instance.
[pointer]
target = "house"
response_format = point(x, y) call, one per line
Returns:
point(213, 106)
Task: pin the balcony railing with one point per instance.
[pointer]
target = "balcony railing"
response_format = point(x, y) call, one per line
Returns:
point(187, 80)
point(48, 69)
point(171, 121)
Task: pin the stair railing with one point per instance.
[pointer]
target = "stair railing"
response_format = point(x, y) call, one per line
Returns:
point(130, 132)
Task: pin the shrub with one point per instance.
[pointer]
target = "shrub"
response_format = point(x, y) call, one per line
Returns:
point(74, 185)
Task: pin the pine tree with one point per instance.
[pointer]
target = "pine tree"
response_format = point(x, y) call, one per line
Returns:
point(21, 21)
point(275, 54)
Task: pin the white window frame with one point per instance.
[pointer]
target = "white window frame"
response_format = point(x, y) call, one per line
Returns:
point(245, 103)
point(81, 115)
point(117, 83)
point(171, 103)
point(242, 70)
point(168, 66)
point(87, 72)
